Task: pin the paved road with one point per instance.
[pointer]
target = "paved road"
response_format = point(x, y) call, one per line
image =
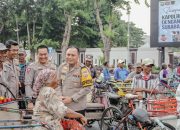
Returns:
point(95, 126)
point(171, 121)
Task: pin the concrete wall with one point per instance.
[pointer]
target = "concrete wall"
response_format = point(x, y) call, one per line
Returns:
point(122, 53)
point(118, 53)
point(96, 53)
point(115, 54)
point(148, 53)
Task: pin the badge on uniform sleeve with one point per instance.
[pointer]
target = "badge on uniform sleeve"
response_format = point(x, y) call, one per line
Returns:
point(28, 70)
point(86, 78)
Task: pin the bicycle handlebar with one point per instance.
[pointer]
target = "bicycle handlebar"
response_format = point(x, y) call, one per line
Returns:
point(131, 96)
point(8, 90)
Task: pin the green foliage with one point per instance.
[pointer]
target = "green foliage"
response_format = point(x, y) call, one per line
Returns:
point(48, 19)
point(155, 70)
point(49, 43)
point(108, 32)
point(101, 59)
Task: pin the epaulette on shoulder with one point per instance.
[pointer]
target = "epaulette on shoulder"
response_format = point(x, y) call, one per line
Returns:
point(7, 65)
point(16, 62)
point(63, 64)
point(31, 64)
point(53, 66)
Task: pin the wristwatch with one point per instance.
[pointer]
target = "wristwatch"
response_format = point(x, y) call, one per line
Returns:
point(72, 99)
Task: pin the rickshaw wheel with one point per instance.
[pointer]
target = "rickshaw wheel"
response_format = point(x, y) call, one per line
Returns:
point(110, 118)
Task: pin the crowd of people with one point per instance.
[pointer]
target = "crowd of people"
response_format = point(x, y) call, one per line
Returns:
point(58, 93)
point(61, 92)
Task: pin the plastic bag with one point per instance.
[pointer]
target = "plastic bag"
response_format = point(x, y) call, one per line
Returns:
point(71, 125)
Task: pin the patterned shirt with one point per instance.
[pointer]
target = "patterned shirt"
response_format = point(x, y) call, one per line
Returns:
point(49, 108)
point(149, 82)
point(22, 72)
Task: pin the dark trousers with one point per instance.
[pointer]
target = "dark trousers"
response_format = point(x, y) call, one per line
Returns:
point(22, 89)
point(22, 104)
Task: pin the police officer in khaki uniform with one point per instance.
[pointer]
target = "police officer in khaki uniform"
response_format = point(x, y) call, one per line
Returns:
point(3, 70)
point(6, 73)
point(75, 81)
point(34, 68)
point(11, 62)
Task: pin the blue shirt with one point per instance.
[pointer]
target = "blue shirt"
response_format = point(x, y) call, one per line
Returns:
point(106, 74)
point(120, 74)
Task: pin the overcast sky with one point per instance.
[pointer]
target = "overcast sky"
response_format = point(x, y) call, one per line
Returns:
point(140, 15)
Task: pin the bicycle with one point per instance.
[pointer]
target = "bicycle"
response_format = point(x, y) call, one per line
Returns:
point(117, 118)
point(104, 96)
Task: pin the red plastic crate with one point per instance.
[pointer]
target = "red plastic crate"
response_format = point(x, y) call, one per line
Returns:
point(162, 107)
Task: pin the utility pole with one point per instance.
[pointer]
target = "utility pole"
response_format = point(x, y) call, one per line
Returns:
point(163, 55)
point(128, 35)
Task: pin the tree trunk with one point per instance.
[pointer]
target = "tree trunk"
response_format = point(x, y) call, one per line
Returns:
point(17, 29)
point(28, 35)
point(32, 54)
point(1, 28)
point(34, 30)
point(29, 43)
point(107, 45)
point(105, 39)
point(33, 41)
point(66, 37)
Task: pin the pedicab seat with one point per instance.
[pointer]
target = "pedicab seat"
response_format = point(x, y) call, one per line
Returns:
point(94, 106)
point(113, 96)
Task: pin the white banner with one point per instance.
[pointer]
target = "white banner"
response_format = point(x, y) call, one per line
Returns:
point(169, 20)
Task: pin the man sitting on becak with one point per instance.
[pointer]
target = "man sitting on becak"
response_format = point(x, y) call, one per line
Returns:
point(145, 83)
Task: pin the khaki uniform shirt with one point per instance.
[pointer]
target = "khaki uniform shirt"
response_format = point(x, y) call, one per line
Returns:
point(32, 72)
point(12, 76)
point(3, 80)
point(76, 84)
